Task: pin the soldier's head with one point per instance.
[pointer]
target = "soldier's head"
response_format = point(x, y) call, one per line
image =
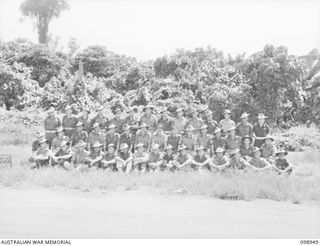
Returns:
point(232, 131)
point(169, 149)
point(126, 128)
point(139, 147)
point(179, 112)
point(256, 152)
point(194, 113)
point(96, 147)
point(244, 117)
point(219, 152)
point(203, 129)
point(118, 112)
point(68, 110)
point(227, 114)
point(148, 109)
point(217, 132)
point(112, 128)
point(124, 147)
point(155, 148)
point(111, 148)
point(60, 131)
point(183, 149)
point(79, 126)
point(96, 127)
point(268, 140)
point(159, 128)
point(261, 119)
point(200, 151)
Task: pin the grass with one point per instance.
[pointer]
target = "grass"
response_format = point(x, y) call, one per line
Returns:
point(304, 185)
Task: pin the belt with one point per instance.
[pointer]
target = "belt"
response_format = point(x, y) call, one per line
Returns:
point(51, 131)
point(68, 128)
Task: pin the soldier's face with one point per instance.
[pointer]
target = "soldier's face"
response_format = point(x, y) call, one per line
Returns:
point(148, 111)
point(111, 150)
point(218, 134)
point(201, 152)
point(220, 154)
point(261, 121)
point(227, 116)
point(180, 113)
point(60, 134)
point(96, 149)
point(246, 141)
point(140, 149)
point(244, 120)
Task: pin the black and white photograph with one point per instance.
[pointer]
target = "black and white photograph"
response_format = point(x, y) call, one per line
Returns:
point(181, 119)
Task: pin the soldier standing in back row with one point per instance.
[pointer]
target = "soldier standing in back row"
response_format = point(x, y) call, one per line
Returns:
point(226, 123)
point(51, 123)
point(117, 121)
point(69, 122)
point(260, 130)
point(179, 121)
point(165, 121)
point(100, 119)
point(195, 122)
point(244, 128)
point(210, 122)
point(148, 118)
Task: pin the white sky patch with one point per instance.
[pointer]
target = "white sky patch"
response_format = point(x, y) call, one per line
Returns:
point(149, 29)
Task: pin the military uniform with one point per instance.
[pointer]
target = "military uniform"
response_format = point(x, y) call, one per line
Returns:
point(188, 141)
point(96, 137)
point(154, 157)
point(282, 164)
point(246, 151)
point(140, 165)
point(93, 156)
point(128, 139)
point(268, 151)
point(237, 164)
point(77, 136)
point(42, 152)
point(51, 123)
point(180, 123)
point(118, 122)
point(196, 123)
point(160, 139)
point(69, 124)
point(86, 123)
point(132, 122)
point(219, 161)
point(166, 160)
point(212, 125)
point(108, 157)
point(166, 124)
point(199, 159)
point(233, 143)
point(259, 163)
point(112, 138)
point(203, 140)
point(226, 124)
point(244, 130)
point(215, 143)
point(103, 121)
point(259, 133)
point(175, 141)
point(144, 138)
point(56, 143)
point(61, 152)
point(79, 158)
point(182, 159)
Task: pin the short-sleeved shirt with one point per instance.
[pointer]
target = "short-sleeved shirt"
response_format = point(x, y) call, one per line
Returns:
point(166, 124)
point(182, 158)
point(127, 138)
point(268, 150)
point(219, 161)
point(203, 140)
point(86, 123)
point(56, 142)
point(144, 138)
point(259, 163)
point(282, 164)
point(233, 143)
point(61, 152)
point(199, 159)
point(246, 151)
point(174, 141)
point(188, 141)
point(103, 121)
point(79, 157)
point(226, 124)
point(180, 123)
point(77, 136)
point(118, 123)
point(150, 121)
point(43, 152)
point(196, 123)
point(211, 124)
point(160, 139)
point(69, 123)
point(260, 132)
point(244, 129)
point(51, 123)
point(124, 155)
point(112, 138)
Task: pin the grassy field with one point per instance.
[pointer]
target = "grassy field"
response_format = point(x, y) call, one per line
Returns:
point(303, 185)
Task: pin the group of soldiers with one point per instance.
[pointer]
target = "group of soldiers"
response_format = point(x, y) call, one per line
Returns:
point(151, 143)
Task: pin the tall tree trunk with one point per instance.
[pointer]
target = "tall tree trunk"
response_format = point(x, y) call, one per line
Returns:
point(43, 26)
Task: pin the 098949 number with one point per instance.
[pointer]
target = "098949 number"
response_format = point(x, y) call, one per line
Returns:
point(309, 242)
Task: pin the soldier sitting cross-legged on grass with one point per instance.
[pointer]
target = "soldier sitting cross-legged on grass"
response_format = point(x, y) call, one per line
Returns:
point(124, 158)
point(41, 156)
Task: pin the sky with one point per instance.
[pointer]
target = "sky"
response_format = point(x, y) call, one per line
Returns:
point(147, 29)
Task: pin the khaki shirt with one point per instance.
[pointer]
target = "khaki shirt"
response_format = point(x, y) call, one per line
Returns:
point(118, 123)
point(243, 130)
point(144, 138)
point(180, 123)
point(79, 157)
point(219, 161)
point(188, 141)
point(226, 124)
point(233, 143)
point(77, 136)
point(259, 163)
point(203, 140)
point(160, 139)
point(51, 123)
point(151, 120)
point(112, 138)
point(56, 143)
point(268, 151)
point(174, 140)
point(96, 137)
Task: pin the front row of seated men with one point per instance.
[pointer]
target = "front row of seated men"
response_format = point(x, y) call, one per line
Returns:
point(123, 160)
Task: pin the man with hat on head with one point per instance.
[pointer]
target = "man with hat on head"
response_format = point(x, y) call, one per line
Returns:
point(195, 121)
point(258, 162)
point(282, 164)
point(60, 136)
point(127, 137)
point(51, 123)
point(148, 118)
point(232, 140)
point(96, 135)
point(155, 158)
point(236, 162)
point(246, 148)
point(95, 157)
point(41, 156)
point(131, 119)
point(36, 144)
point(79, 156)
point(226, 123)
point(217, 141)
point(182, 160)
point(109, 159)
point(260, 130)
point(99, 118)
point(203, 139)
point(200, 160)
point(159, 137)
point(165, 121)
point(69, 122)
point(140, 158)
point(268, 149)
point(174, 139)
point(180, 121)
point(244, 128)
point(79, 134)
point(143, 136)
point(219, 161)
point(168, 157)
point(112, 137)
point(117, 120)
point(84, 118)
point(62, 157)
point(124, 158)
point(210, 122)
point(188, 139)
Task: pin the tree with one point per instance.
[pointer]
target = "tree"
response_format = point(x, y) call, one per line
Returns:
point(42, 11)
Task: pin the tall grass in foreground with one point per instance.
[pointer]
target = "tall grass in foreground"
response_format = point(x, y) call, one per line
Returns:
point(244, 186)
